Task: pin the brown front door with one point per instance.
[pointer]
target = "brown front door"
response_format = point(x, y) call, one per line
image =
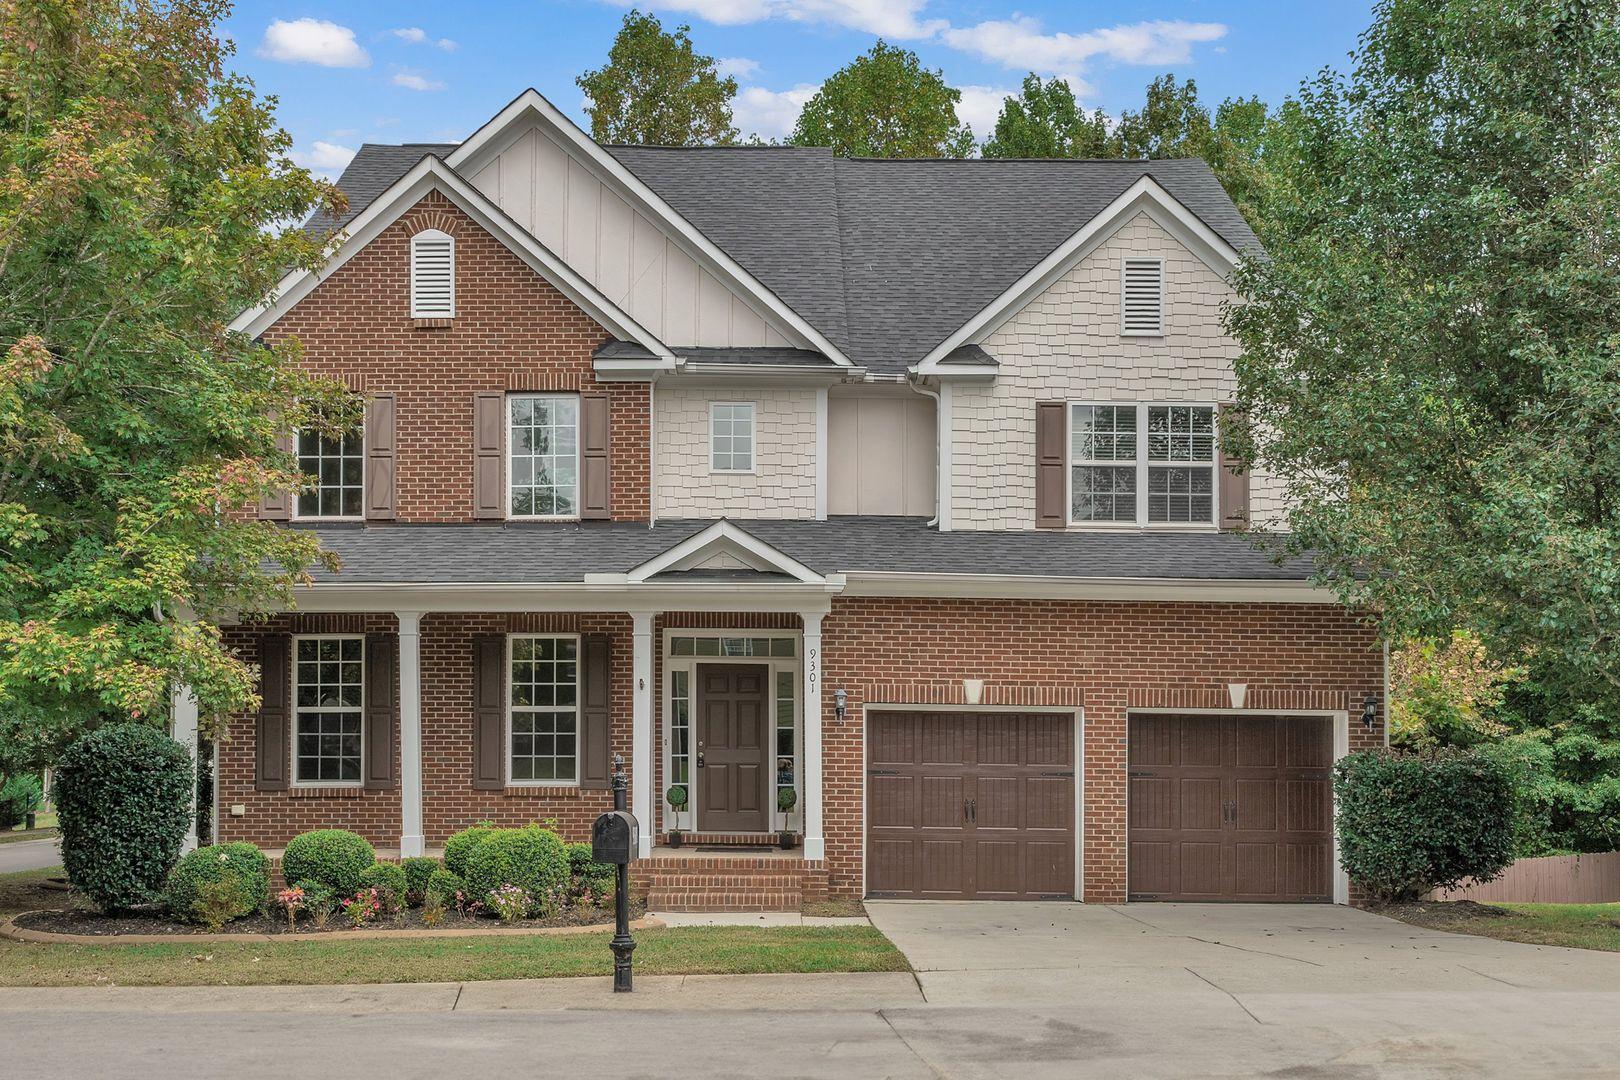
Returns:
point(733, 736)
point(963, 806)
point(1231, 808)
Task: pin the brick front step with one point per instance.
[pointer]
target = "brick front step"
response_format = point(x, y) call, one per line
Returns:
point(713, 881)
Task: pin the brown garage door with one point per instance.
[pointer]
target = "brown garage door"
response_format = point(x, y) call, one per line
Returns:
point(970, 806)
point(1231, 808)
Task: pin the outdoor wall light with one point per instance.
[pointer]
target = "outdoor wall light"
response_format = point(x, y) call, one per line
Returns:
point(1369, 711)
point(840, 704)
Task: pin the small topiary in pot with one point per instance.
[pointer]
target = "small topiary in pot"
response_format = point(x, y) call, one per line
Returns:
point(333, 857)
point(459, 848)
point(418, 870)
point(532, 858)
point(242, 866)
point(391, 883)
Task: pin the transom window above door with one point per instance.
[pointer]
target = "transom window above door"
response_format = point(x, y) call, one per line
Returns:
point(1142, 464)
point(543, 466)
point(337, 467)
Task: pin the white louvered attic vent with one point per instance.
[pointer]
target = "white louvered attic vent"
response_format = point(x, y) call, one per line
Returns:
point(433, 275)
point(1142, 297)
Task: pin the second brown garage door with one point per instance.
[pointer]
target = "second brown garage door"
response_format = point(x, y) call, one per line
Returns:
point(966, 806)
point(1230, 808)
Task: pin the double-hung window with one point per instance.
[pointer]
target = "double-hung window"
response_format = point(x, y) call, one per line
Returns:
point(328, 703)
point(543, 713)
point(1142, 464)
point(731, 436)
point(543, 468)
point(337, 467)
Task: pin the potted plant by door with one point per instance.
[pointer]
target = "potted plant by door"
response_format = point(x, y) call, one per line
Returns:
point(676, 797)
point(786, 799)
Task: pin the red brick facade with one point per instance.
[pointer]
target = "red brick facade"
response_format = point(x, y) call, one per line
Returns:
point(512, 331)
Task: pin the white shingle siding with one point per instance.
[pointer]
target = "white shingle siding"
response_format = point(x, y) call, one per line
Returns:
point(783, 483)
point(1067, 344)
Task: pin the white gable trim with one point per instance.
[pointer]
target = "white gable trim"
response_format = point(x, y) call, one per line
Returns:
point(530, 105)
point(724, 543)
point(432, 174)
point(1147, 196)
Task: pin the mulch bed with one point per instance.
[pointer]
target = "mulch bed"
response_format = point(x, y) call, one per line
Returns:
point(95, 924)
point(1441, 914)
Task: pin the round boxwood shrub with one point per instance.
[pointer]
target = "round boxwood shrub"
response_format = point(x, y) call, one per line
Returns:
point(459, 848)
point(1411, 823)
point(123, 803)
point(533, 858)
point(333, 857)
point(442, 887)
point(242, 865)
point(589, 877)
point(418, 870)
point(389, 881)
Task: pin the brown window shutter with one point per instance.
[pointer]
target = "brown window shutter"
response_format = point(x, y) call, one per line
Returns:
point(489, 712)
point(380, 697)
point(1234, 481)
point(270, 734)
point(278, 505)
point(489, 455)
point(380, 465)
point(595, 741)
point(1050, 432)
point(595, 422)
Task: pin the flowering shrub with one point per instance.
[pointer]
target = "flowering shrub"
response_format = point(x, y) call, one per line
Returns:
point(291, 901)
point(511, 902)
point(319, 901)
point(362, 907)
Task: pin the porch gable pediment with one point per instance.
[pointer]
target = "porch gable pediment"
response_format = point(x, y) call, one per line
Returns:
point(725, 549)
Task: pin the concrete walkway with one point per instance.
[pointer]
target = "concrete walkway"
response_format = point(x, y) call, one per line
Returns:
point(30, 855)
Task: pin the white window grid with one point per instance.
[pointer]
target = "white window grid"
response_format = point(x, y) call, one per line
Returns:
point(731, 436)
point(328, 683)
point(542, 709)
point(1168, 466)
point(339, 468)
point(542, 468)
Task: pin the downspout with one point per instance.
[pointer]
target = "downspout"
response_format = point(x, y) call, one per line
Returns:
point(652, 451)
point(939, 445)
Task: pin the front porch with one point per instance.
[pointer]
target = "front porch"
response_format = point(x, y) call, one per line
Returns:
point(715, 877)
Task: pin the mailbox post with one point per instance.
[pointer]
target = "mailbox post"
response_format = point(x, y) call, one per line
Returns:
point(615, 838)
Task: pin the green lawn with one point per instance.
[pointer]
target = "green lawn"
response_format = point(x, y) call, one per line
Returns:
point(695, 950)
point(1577, 926)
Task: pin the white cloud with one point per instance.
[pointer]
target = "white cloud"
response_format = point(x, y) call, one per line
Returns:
point(415, 80)
point(324, 158)
point(415, 35)
point(898, 19)
point(312, 41)
point(738, 67)
point(343, 133)
point(1021, 42)
point(770, 114)
point(979, 107)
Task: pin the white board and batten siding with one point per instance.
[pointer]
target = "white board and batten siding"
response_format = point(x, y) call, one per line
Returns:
point(564, 204)
point(881, 448)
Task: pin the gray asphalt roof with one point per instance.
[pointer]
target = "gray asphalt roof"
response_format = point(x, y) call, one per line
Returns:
point(885, 257)
point(563, 552)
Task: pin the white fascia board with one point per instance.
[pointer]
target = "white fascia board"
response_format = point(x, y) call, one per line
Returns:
point(721, 536)
point(610, 370)
point(436, 597)
point(638, 194)
point(1019, 586)
point(433, 174)
point(962, 372)
point(1146, 195)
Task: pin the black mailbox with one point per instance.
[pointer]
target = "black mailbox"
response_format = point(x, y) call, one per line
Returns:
point(615, 838)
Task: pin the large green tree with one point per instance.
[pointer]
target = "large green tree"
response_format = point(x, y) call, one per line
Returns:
point(1172, 122)
point(1430, 355)
point(656, 90)
point(885, 104)
point(144, 195)
point(1044, 121)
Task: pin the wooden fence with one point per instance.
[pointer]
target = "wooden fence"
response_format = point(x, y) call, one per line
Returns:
point(1551, 879)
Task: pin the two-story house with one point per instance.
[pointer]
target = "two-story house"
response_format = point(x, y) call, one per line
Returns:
point(895, 484)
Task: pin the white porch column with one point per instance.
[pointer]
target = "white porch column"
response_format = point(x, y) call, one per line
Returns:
point(183, 717)
point(410, 733)
point(815, 843)
point(642, 762)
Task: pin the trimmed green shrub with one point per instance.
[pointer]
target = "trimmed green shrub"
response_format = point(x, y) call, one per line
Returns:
point(123, 802)
point(19, 796)
point(418, 870)
point(239, 865)
point(389, 881)
point(459, 848)
point(588, 876)
point(333, 857)
point(443, 885)
point(1411, 823)
point(533, 858)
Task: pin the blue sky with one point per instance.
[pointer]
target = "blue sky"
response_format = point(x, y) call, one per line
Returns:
point(348, 73)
